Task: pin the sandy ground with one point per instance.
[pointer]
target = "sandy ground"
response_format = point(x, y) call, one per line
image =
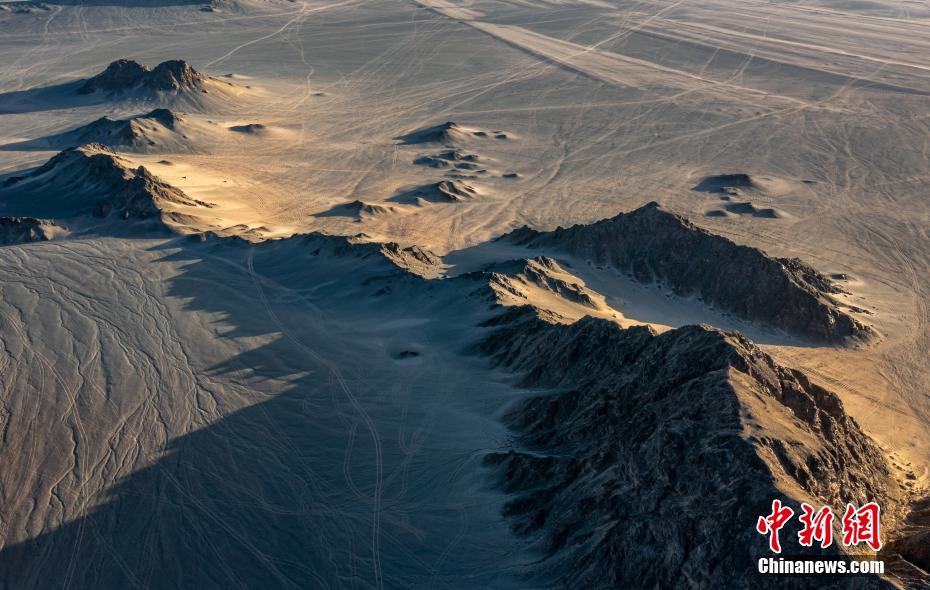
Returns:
point(601, 106)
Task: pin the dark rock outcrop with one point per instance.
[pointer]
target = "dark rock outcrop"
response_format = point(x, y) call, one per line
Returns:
point(451, 190)
point(454, 190)
point(121, 74)
point(650, 466)
point(448, 133)
point(362, 208)
point(652, 244)
point(726, 183)
point(124, 75)
point(454, 158)
point(171, 75)
point(20, 230)
point(911, 546)
point(250, 128)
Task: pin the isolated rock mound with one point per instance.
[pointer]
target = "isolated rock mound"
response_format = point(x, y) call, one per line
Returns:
point(654, 245)
point(124, 75)
point(159, 129)
point(651, 468)
point(454, 158)
point(174, 74)
point(20, 230)
point(448, 133)
point(358, 210)
point(726, 183)
point(250, 128)
point(363, 208)
point(452, 190)
point(747, 208)
point(92, 179)
point(171, 83)
point(445, 191)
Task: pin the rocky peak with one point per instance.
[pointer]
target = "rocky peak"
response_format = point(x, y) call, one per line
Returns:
point(173, 75)
point(125, 74)
point(119, 75)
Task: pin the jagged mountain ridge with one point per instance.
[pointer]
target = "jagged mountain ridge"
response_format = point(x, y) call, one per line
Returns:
point(650, 469)
point(652, 244)
point(671, 424)
point(587, 456)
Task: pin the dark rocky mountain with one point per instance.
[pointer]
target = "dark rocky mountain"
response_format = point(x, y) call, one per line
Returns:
point(654, 245)
point(650, 462)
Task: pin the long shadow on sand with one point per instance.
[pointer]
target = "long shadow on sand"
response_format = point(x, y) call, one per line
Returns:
point(268, 496)
point(48, 98)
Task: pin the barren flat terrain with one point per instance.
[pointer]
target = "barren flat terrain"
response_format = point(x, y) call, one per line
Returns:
point(338, 294)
